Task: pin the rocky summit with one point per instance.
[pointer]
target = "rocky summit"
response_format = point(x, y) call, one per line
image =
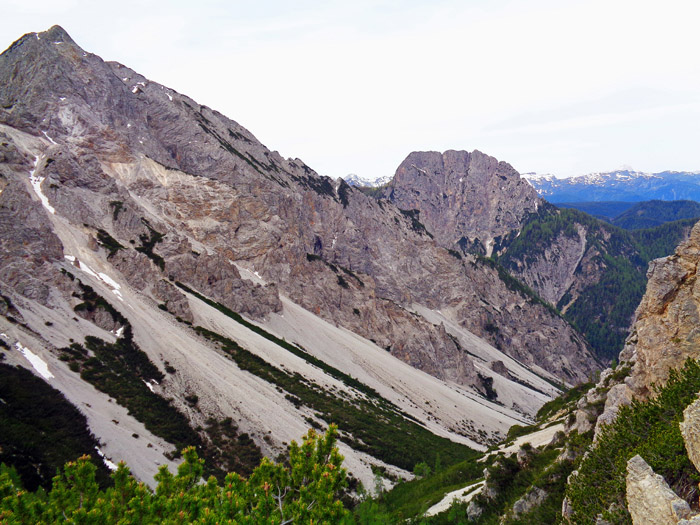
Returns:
point(467, 200)
point(136, 219)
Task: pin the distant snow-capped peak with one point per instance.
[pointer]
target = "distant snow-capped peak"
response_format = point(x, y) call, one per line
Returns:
point(531, 175)
point(611, 176)
point(595, 178)
point(355, 180)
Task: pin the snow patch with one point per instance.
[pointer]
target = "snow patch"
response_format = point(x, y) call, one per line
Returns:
point(114, 285)
point(463, 495)
point(52, 141)
point(171, 98)
point(135, 89)
point(58, 43)
point(37, 362)
point(110, 465)
point(62, 99)
point(150, 383)
point(69, 258)
point(119, 332)
point(36, 184)
point(106, 278)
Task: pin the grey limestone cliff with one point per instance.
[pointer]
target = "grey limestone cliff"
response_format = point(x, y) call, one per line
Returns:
point(465, 199)
point(170, 189)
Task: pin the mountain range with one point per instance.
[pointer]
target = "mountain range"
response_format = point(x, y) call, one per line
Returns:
point(620, 185)
point(167, 280)
point(252, 291)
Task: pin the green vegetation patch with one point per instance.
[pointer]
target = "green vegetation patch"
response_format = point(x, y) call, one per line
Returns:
point(41, 429)
point(93, 301)
point(648, 428)
point(148, 242)
point(108, 242)
point(653, 213)
point(305, 490)
point(412, 498)
point(510, 480)
point(603, 311)
point(122, 369)
point(567, 400)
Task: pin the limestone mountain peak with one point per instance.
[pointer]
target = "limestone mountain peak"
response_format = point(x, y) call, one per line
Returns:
point(179, 218)
point(466, 199)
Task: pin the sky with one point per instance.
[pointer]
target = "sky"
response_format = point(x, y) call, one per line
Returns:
point(561, 87)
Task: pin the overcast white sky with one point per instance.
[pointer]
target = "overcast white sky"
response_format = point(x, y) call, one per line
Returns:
point(563, 87)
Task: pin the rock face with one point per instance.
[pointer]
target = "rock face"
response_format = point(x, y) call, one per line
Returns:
point(690, 430)
point(558, 269)
point(666, 331)
point(169, 189)
point(650, 500)
point(529, 501)
point(465, 199)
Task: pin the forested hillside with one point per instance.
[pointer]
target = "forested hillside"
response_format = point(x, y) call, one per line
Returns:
point(654, 213)
point(609, 275)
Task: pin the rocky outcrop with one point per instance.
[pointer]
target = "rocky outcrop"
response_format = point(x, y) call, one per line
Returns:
point(554, 272)
point(471, 203)
point(666, 331)
point(173, 300)
point(529, 501)
point(619, 395)
point(650, 499)
point(465, 199)
point(690, 430)
point(28, 245)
